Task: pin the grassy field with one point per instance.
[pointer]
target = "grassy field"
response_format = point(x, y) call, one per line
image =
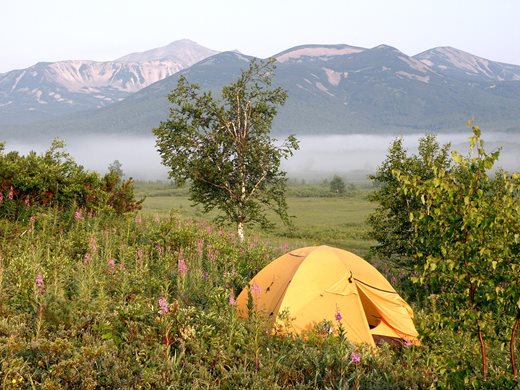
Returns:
point(318, 220)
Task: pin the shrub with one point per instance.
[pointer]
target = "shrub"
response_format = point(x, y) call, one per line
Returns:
point(53, 179)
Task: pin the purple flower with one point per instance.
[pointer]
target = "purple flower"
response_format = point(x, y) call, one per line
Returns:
point(355, 358)
point(200, 247)
point(111, 264)
point(232, 300)
point(407, 343)
point(163, 306)
point(338, 316)
point(256, 289)
point(87, 258)
point(93, 244)
point(40, 284)
point(182, 267)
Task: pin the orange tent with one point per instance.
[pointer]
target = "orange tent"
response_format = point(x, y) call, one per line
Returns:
point(320, 283)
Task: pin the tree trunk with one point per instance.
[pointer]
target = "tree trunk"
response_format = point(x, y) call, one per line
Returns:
point(240, 231)
point(483, 353)
point(512, 343)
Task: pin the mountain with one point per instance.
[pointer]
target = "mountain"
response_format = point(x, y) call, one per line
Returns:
point(47, 90)
point(184, 52)
point(461, 65)
point(335, 89)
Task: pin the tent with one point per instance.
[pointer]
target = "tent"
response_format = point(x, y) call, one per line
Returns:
point(321, 283)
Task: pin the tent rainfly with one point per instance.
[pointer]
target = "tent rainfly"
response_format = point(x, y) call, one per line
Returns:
point(313, 284)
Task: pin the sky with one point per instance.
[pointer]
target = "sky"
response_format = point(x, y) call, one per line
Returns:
point(32, 31)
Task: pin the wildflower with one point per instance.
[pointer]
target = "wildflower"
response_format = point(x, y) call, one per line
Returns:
point(138, 219)
point(122, 266)
point(87, 258)
point(77, 214)
point(355, 358)
point(10, 195)
point(163, 306)
point(205, 275)
point(338, 316)
point(232, 300)
point(256, 289)
point(111, 264)
point(182, 267)
point(31, 223)
point(139, 254)
point(159, 249)
point(26, 201)
point(1, 198)
point(93, 244)
point(200, 247)
point(40, 284)
point(407, 343)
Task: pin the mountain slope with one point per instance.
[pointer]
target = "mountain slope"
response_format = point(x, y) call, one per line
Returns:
point(331, 89)
point(461, 65)
point(46, 90)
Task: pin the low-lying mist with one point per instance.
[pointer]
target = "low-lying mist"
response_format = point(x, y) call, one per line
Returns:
point(351, 156)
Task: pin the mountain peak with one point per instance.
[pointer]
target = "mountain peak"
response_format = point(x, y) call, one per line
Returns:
point(457, 63)
point(184, 51)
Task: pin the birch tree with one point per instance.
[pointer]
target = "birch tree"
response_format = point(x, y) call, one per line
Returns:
point(222, 147)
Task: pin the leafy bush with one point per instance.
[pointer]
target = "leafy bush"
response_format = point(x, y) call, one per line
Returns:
point(53, 179)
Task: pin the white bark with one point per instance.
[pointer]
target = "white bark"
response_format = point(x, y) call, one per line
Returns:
point(240, 231)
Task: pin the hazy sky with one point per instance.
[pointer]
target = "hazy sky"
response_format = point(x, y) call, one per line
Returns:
point(52, 30)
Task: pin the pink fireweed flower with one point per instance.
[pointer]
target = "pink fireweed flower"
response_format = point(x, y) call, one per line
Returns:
point(111, 264)
point(87, 258)
point(77, 214)
point(93, 244)
point(31, 223)
point(256, 289)
point(182, 267)
point(407, 343)
point(26, 201)
point(200, 247)
point(163, 306)
point(232, 300)
point(40, 284)
point(355, 358)
point(10, 195)
point(338, 316)
point(1, 198)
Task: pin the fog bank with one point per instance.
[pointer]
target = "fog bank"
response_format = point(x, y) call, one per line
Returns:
point(319, 156)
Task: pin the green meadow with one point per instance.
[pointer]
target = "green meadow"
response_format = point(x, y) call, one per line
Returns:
point(319, 216)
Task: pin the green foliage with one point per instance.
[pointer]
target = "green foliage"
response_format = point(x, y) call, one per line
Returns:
point(464, 229)
point(53, 179)
point(224, 149)
point(390, 224)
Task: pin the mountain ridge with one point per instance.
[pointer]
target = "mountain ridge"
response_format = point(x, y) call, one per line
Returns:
point(335, 89)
